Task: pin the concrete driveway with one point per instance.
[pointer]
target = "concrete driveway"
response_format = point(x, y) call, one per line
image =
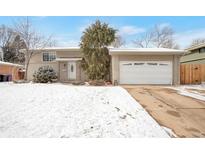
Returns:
point(184, 115)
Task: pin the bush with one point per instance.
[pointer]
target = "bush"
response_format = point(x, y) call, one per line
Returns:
point(44, 74)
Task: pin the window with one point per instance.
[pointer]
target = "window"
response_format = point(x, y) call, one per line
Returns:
point(163, 64)
point(47, 56)
point(128, 64)
point(152, 63)
point(138, 63)
point(71, 68)
point(202, 50)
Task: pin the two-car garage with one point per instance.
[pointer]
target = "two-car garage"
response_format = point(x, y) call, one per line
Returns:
point(145, 72)
point(146, 66)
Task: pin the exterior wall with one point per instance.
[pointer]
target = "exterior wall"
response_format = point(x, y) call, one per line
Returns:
point(61, 67)
point(10, 70)
point(176, 70)
point(36, 62)
point(63, 72)
point(84, 77)
point(115, 68)
point(198, 61)
point(174, 59)
point(70, 54)
point(193, 57)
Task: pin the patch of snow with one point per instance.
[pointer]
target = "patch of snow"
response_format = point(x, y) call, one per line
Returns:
point(182, 90)
point(57, 110)
point(193, 95)
point(169, 131)
point(197, 87)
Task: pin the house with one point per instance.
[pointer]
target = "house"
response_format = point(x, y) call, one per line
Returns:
point(128, 65)
point(194, 55)
point(10, 71)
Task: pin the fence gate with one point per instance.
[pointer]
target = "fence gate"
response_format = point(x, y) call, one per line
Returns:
point(192, 73)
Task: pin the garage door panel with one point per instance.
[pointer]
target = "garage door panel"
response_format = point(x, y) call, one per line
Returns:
point(145, 72)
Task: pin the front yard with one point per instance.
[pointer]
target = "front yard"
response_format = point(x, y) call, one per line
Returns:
point(57, 110)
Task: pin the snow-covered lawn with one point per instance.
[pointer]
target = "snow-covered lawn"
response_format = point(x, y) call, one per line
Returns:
point(57, 110)
point(194, 91)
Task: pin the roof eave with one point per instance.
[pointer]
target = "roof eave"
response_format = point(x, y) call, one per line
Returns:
point(53, 49)
point(146, 53)
point(10, 64)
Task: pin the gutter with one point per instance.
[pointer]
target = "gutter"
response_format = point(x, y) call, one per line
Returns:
point(146, 53)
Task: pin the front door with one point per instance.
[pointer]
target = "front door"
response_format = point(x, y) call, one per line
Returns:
point(71, 70)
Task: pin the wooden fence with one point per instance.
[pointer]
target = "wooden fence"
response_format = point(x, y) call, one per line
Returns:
point(192, 73)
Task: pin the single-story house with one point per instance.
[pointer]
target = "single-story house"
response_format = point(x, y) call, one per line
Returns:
point(10, 71)
point(194, 55)
point(128, 65)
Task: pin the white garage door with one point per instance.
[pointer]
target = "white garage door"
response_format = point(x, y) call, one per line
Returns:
point(145, 72)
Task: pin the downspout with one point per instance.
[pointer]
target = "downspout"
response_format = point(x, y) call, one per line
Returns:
point(59, 71)
point(173, 72)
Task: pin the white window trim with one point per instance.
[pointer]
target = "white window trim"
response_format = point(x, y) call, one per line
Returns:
point(50, 52)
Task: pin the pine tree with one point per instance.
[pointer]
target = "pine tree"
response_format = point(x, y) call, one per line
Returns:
point(94, 42)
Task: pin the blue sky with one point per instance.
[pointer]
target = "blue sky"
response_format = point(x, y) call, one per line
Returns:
point(67, 30)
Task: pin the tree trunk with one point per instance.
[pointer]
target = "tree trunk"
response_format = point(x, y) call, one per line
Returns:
point(26, 71)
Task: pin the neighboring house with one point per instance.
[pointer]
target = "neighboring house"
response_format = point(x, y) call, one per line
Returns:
point(129, 66)
point(10, 71)
point(193, 65)
point(194, 55)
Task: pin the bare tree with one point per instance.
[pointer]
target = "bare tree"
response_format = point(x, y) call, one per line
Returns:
point(159, 36)
point(198, 41)
point(119, 41)
point(144, 41)
point(170, 44)
point(33, 40)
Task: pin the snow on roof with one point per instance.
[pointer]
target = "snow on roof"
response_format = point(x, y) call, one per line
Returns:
point(10, 64)
point(120, 50)
point(55, 49)
point(58, 48)
point(145, 50)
